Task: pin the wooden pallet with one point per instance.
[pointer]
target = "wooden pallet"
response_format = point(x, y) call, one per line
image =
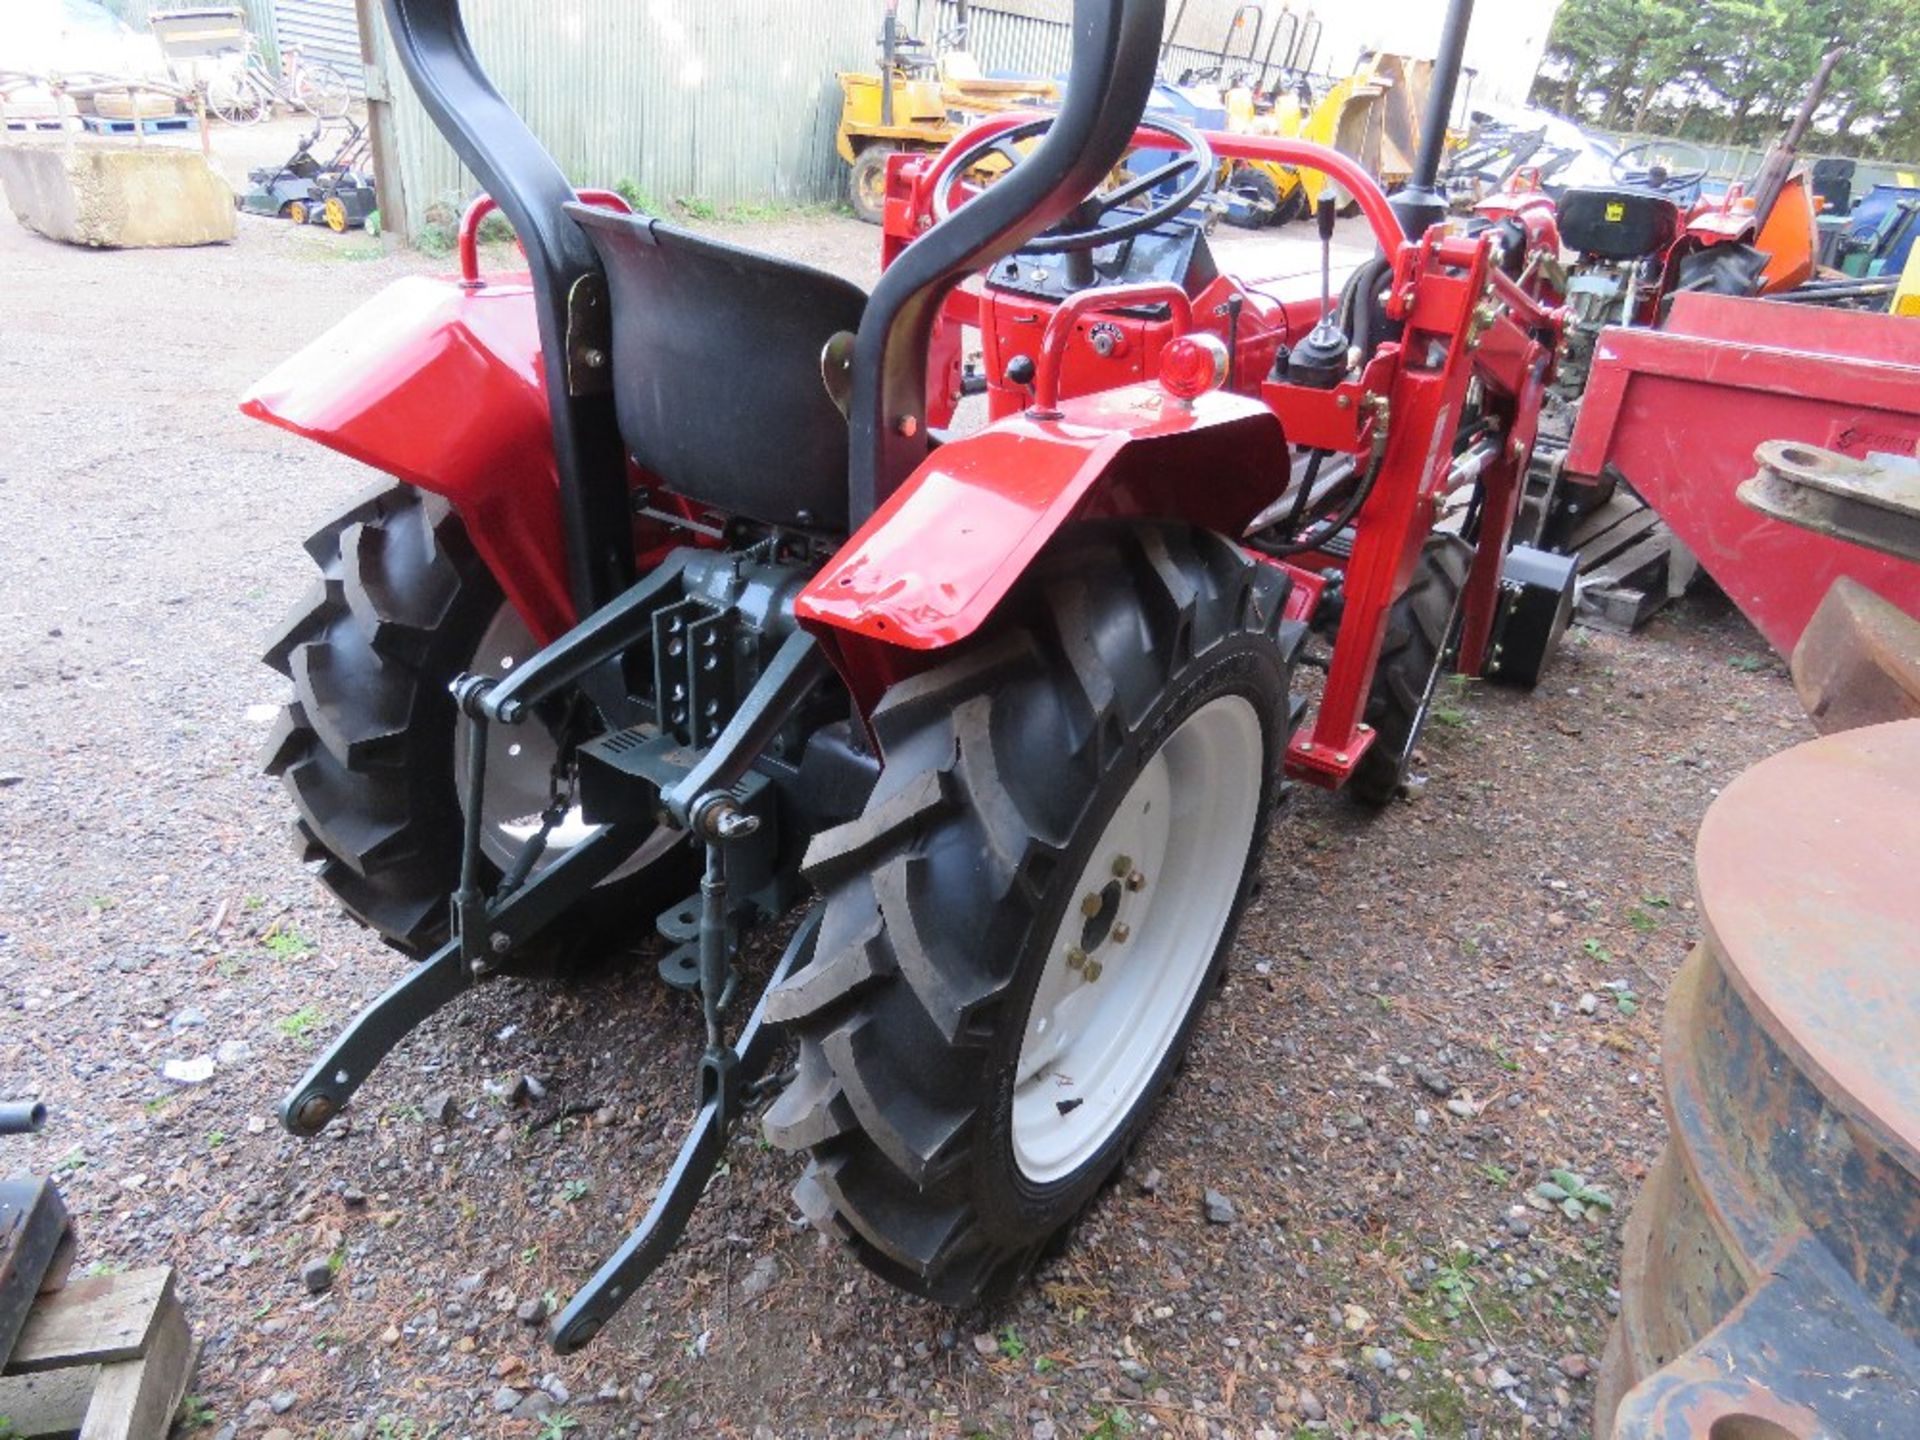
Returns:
point(149, 124)
point(1630, 564)
point(105, 1358)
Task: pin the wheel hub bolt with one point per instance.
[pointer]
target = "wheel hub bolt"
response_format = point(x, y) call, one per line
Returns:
point(1094, 968)
point(1120, 933)
point(1122, 867)
point(1076, 957)
point(1136, 881)
point(1090, 906)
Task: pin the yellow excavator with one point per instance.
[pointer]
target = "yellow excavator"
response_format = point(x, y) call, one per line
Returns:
point(919, 99)
point(1372, 114)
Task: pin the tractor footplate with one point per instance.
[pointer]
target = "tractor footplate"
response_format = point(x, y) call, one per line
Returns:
point(346, 1063)
point(666, 1219)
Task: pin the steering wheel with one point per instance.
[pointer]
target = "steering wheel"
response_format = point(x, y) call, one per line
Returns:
point(1658, 170)
point(1102, 217)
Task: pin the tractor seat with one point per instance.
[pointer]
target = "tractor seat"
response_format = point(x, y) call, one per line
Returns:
point(1618, 222)
point(716, 368)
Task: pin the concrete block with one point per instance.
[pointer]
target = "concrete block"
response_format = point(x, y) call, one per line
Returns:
point(117, 194)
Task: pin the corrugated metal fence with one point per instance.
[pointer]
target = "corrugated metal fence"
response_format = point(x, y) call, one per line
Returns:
point(733, 101)
point(324, 30)
point(1012, 42)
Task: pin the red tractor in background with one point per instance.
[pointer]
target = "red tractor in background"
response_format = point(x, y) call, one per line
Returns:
point(1697, 330)
point(683, 569)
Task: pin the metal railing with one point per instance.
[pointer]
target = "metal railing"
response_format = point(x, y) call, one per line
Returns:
point(1009, 42)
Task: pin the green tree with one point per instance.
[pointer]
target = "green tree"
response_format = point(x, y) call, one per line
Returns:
point(1737, 70)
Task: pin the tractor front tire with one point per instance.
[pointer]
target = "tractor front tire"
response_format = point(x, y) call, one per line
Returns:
point(365, 746)
point(867, 183)
point(1418, 642)
point(1022, 928)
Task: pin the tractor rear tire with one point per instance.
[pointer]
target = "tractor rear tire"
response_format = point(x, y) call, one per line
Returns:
point(975, 899)
point(365, 747)
point(1418, 641)
point(867, 183)
point(369, 746)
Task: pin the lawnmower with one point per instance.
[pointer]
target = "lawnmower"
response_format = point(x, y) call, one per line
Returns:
point(337, 192)
point(286, 190)
point(688, 564)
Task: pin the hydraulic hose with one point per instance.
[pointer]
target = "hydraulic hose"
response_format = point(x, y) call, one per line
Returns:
point(1299, 506)
point(1360, 311)
point(1338, 521)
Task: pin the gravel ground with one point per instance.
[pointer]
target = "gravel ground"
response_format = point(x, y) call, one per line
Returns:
point(1328, 1230)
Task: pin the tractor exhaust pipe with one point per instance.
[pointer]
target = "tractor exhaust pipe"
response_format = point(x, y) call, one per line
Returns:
point(1420, 203)
point(889, 45)
point(1771, 178)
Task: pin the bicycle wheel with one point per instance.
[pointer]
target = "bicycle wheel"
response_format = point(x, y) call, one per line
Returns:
point(321, 91)
point(235, 99)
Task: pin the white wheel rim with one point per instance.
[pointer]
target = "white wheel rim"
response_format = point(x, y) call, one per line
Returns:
point(1144, 921)
point(520, 770)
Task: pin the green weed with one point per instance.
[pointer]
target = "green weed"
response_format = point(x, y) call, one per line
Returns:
point(283, 942)
point(301, 1024)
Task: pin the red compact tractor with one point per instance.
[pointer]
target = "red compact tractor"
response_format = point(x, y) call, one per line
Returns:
point(689, 607)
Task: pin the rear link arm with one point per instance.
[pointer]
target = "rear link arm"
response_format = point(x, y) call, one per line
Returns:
point(797, 667)
point(470, 928)
point(334, 1077)
point(640, 1255)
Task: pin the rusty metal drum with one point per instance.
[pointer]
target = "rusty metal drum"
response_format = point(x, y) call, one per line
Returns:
point(1771, 1280)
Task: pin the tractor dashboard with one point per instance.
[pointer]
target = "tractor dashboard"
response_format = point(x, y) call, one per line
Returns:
point(1175, 251)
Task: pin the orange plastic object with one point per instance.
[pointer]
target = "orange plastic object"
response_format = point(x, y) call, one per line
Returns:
point(1790, 237)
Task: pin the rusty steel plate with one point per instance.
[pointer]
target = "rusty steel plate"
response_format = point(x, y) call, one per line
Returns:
point(1808, 868)
point(1858, 661)
point(1770, 1282)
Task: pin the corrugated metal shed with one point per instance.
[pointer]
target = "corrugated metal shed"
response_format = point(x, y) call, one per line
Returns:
point(1032, 37)
point(733, 101)
point(324, 30)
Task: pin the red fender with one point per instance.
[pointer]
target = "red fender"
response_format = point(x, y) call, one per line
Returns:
point(440, 385)
point(936, 560)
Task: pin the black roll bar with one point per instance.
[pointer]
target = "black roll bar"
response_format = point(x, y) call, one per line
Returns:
point(513, 167)
point(1115, 48)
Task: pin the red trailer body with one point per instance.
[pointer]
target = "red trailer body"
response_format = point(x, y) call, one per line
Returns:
point(1677, 412)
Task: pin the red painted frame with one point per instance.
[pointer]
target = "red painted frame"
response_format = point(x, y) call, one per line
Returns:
point(990, 501)
point(933, 563)
point(1679, 410)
